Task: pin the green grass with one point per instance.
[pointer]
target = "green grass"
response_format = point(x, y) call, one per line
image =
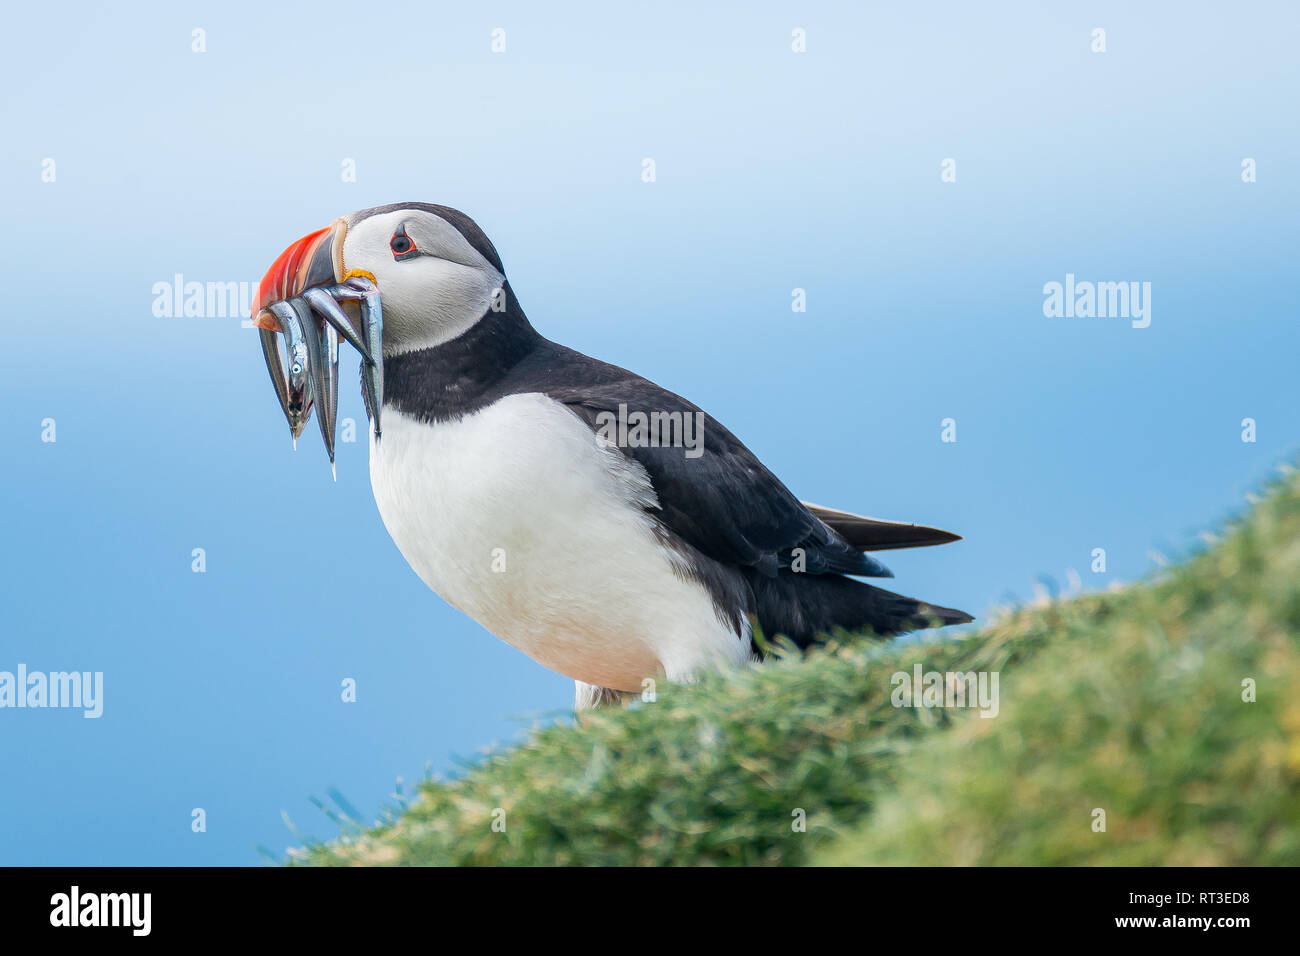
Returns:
point(1128, 701)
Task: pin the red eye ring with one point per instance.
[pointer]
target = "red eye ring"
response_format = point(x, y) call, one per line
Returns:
point(402, 246)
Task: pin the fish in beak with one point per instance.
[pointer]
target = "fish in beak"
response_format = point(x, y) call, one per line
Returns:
point(306, 298)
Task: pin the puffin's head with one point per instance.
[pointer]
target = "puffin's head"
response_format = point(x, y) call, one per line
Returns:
point(388, 280)
point(436, 270)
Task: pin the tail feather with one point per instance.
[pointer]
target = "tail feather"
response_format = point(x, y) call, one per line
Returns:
point(876, 534)
point(804, 607)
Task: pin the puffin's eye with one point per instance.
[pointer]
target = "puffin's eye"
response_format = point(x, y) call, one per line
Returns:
point(402, 246)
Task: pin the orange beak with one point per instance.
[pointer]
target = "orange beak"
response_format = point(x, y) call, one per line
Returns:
point(300, 305)
point(314, 259)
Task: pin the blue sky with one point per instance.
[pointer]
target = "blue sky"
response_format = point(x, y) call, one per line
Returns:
point(774, 171)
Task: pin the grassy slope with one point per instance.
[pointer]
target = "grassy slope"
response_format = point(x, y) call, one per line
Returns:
point(1129, 701)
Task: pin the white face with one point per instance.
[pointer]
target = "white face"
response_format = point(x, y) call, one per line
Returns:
point(433, 285)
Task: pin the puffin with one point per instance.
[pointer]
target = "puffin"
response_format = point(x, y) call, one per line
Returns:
point(605, 526)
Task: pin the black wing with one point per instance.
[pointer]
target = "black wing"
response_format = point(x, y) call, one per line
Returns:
point(723, 502)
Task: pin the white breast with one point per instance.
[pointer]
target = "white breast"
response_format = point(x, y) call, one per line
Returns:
point(516, 516)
